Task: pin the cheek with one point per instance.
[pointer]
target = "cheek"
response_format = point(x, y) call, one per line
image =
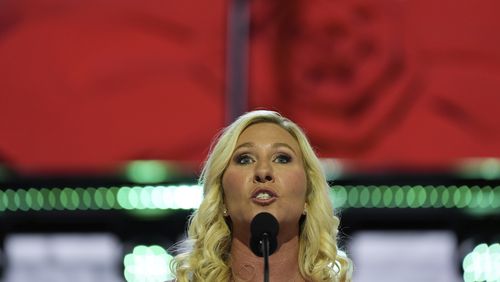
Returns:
point(232, 184)
point(297, 181)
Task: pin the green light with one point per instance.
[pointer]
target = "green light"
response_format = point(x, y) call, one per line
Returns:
point(17, 200)
point(101, 194)
point(487, 199)
point(80, 192)
point(364, 197)
point(482, 264)
point(46, 199)
point(477, 196)
point(490, 169)
point(3, 201)
point(340, 196)
point(496, 198)
point(74, 199)
point(39, 200)
point(145, 172)
point(456, 197)
point(427, 202)
point(421, 196)
point(58, 204)
point(147, 264)
point(134, 197)
point(9, 200)
point(352, 196)
point(451, 195)
point(399, 197)
point(98, 198)
point(157, 198)
point(332, 168)
point(28, 200)
point(145, 197)
point(11, 205)
point(388, 199)
point(411, 198)
point(460, 198)
point(21, 200)
point(376, 197)
point(433, 197)
point(484, 201)
point(33, 199)
point(89, 197)
point(174, 194)
point(445, 197)
point(406, 189)
point(168, 199)
point(123, 200)
point(66, 199)
point(101, 198)
point(439, 196)
point(188, 196)
point(111, 198)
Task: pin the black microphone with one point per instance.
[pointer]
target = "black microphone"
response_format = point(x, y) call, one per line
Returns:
point(264, 223)
point(263, 241)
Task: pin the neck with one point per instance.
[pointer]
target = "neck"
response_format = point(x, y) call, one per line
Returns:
point(283, 264)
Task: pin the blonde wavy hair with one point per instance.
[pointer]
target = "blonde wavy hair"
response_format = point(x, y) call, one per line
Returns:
point(209, 237)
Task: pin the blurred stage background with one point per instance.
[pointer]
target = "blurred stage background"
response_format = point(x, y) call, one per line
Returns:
point(108, 108)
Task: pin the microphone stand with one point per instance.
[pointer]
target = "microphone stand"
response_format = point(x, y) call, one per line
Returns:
point(265, 252)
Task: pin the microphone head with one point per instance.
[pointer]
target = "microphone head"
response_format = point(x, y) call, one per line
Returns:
point(263, 223)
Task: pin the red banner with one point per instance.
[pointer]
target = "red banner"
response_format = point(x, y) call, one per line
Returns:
point(383, 82)
point(86, 84)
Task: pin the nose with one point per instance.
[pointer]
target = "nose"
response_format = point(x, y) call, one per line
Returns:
point(263, 173)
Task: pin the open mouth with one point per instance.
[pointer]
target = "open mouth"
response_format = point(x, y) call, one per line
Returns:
point(263, 196)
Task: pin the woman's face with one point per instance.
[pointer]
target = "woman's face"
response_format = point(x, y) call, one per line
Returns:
point(265, 174)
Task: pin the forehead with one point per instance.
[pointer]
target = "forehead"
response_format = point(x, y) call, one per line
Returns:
point(266, 132)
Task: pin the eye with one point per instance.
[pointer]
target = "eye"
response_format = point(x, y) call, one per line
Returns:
point(244, 159)
point(282, 159)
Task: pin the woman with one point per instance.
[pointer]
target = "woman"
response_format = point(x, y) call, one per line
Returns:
point(262, 163)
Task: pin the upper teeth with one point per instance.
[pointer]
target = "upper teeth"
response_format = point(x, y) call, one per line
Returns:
point(263, 196)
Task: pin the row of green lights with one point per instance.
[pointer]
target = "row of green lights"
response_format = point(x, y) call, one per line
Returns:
point(160, 197)
point(130, 198)
point(190, 197)
point(415, 196)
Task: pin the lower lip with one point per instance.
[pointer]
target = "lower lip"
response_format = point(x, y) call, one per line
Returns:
point(263, 202)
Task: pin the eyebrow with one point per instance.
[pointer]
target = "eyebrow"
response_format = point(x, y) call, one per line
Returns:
point(275, 145)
